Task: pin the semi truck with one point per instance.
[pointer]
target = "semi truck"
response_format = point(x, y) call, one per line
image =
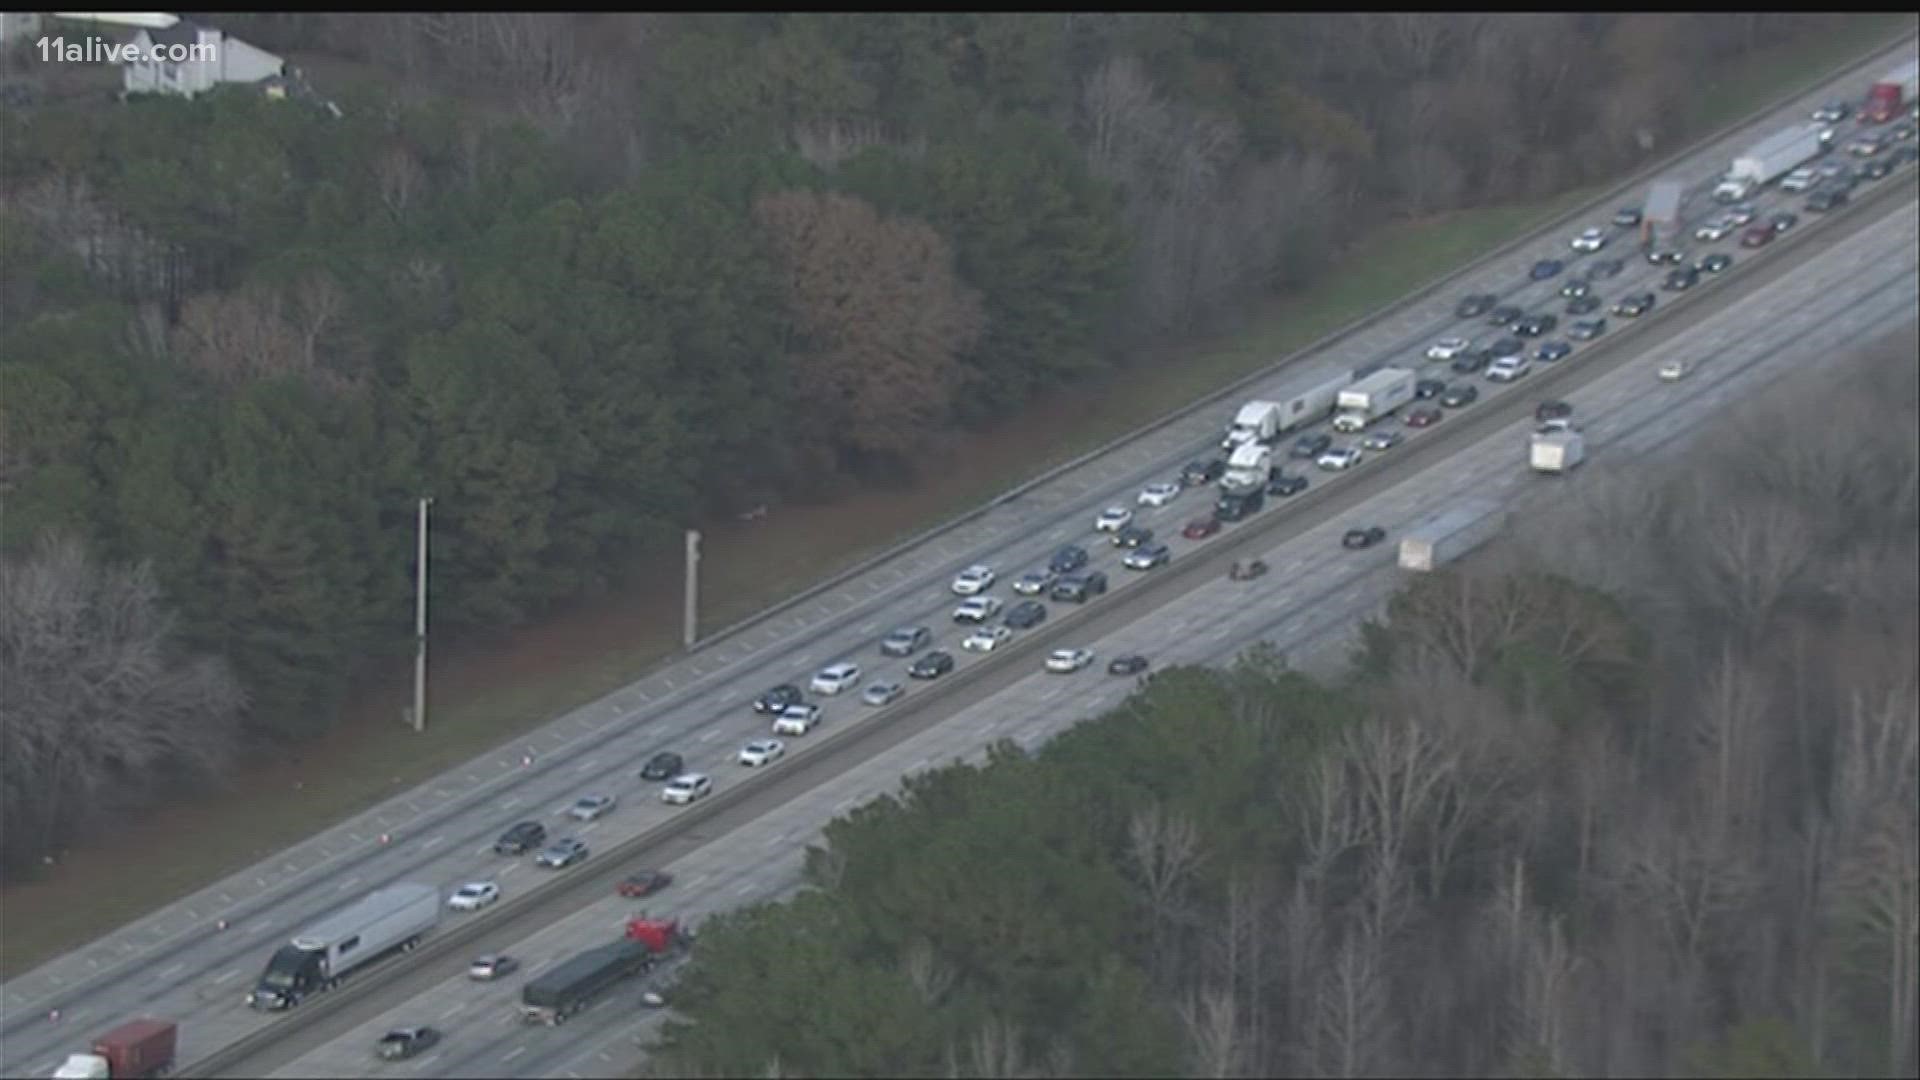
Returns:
point(1256, 422)
point(572, 986)
point(1771, 159)
point(1248, 469)
point(137, 1048)
point(1449, 535)
point(318, 958)
point(1556, 452)
point(1314, 405)
point(1661, 223)
point(1892, 93)
point(1372, 398)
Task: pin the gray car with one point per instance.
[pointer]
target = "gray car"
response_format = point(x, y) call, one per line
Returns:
point(882, 693)
point(906, 641)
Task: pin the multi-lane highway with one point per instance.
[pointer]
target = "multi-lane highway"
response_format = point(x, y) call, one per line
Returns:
point(1315, 592)
point(178, 963)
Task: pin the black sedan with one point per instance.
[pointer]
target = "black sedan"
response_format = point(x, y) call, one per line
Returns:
point(1127, 665)
point(1536, 326)
point(1632, 307)
point(1587, 329)
point(1583, 305)
point(1545, 269)
point(402, 1043)
point(1068, 559)
point(1666, 256)
point(1363, 538)
point(1550, 351)
point(932, 665)
point(1552, 410)
point(1132, 536)
point(1460, 394)
point(1714, 263)
point(1784, 220)
point(1602, 269)
point(1283, 484)
point(1575, 288)
point(1469, 362)
point(1311, 445)
point(1202, 472)
point(777, 699)
point(1680, 279)
point(1505, 315)
point(1427, 389)
point(1627, 217)
point(1826, 199)
point(1475, 306)
point(1026, 615)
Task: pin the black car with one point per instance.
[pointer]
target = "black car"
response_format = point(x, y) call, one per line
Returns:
point(521, 838)
point(1026, 615)
point(1132, 536)
point(1238, 506)
point(1632, 307)
point(1459, 394)
point(1578, 287)
point(931, 666)
point(777, 699)
point(666, 765)
point(1627, 217)
point(402, 1043)
point(1784, 220)
point(1680, 279)
point(1127, 665)
point(1545, 269)
point(1505, 315)
point(1536, 326)
point(1361, 538)
point(1284, 484)
point(1469, 362)
point(1203, 472)
point(1552, 410)
point(1666, 256)
point(1068, 559)
point(1080, 587)
point(1587, 329)
point(1506, 346)
point(1906, 155)
point(1428, 388)
point(1602, 269)
point(1311, 445)
point(1714, 263)
point(1826, 199)
point(1877, 169)
point(1900, 132)
point(1583, 305)
point(1474, 306)
point(1549, 351)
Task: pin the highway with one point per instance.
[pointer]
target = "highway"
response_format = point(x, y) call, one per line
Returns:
point(1315, 594)
point(177, 963)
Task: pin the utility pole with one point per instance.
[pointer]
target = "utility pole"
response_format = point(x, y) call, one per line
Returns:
point(420, 624)
point(691, 631)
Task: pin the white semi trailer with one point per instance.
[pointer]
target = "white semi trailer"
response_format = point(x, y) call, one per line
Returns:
point(1450, 534)
point(318, 958)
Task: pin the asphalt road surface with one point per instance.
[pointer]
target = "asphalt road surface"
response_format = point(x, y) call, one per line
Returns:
point(1315, 593)
point(179, 963)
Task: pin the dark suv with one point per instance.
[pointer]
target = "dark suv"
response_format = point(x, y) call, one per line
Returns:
point(1078, 588)
point(777, 699)
point(521, 838)
point(1068, 559)
point(1237, 506)
point(1026, 615)
point(664, 765)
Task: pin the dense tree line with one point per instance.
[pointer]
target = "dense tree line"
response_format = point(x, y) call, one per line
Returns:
point(1634, 795)
point(657, 268)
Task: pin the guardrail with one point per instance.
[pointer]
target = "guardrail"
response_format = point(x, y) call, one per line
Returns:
point(1152, 587)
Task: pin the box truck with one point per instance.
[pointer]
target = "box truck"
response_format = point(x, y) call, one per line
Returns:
point(1892, 93)
point(137, 1048)
point(1372, 398)
point(1448, 535)
point(1769, 160)
point(386, 920)
point(1556, 452)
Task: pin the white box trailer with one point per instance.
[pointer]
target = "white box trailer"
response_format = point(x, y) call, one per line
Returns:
point(1661, 221)
point(1771, 159)
point(1450, 534)
point(1314, 405)
point(1555, 452)
point(1372, 398)
point(319, 957)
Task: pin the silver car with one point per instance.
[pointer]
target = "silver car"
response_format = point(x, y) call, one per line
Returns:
point(591, 807)
point(882, 693)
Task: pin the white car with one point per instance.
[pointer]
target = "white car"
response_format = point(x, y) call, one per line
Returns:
point(1113, 519)
point(1035, 582)
point(473, 896)
point(685, 788)
point(1716, 229)
point(1338, 458)
point(1067, 661)
point(591, 807)
point(1158, 494)
point(1589, 240)
point(1508, 368)
point(973, 581)
point(976, 609)
point(836, 677)
point(882, 693)
point(762, 752)
point(1800, 180)
point(1448, 348)
point(1675, 370)
point(986, 638)
point(1383, 439)
point(797, 719)
point(1741, 214)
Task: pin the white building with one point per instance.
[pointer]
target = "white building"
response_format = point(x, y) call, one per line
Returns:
point(188, 59)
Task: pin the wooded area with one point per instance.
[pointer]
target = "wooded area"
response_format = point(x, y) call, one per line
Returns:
point(655, 268)
point(1634, 795)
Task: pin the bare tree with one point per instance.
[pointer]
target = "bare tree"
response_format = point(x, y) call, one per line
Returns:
point(399, 179)
point(1216, 1032)
point(1879, 898)
point(1352, 1026)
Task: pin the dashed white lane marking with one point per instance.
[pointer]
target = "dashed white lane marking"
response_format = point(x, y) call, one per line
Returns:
point(225, 975)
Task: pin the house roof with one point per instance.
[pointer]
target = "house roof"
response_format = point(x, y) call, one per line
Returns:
point(180, 33)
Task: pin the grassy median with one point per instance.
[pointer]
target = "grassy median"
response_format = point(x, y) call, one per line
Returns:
point(485, 693)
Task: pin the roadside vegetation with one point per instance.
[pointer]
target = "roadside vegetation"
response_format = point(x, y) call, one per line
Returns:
point(243, 338)
point(1634, 794)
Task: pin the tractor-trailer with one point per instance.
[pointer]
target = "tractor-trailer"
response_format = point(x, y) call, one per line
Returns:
point(1661, 221)
point(1250, 467)
point(1314, 405)
point(389, 919)
point(1770, 160)
point(1555, 452)
point(1449, 535)
point(1257, 421)
point(572, 986)
point(136, 1048)
point(1372, 398)
point(1892, 93)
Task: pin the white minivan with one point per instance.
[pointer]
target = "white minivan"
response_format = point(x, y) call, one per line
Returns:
point(835, 678)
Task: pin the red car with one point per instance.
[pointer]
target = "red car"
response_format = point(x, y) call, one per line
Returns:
point(645, 883)
point(1201, 528)
point(1757, 235)
point(1424, 416)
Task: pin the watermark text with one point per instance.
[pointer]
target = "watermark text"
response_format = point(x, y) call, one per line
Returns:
point(95, 50)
